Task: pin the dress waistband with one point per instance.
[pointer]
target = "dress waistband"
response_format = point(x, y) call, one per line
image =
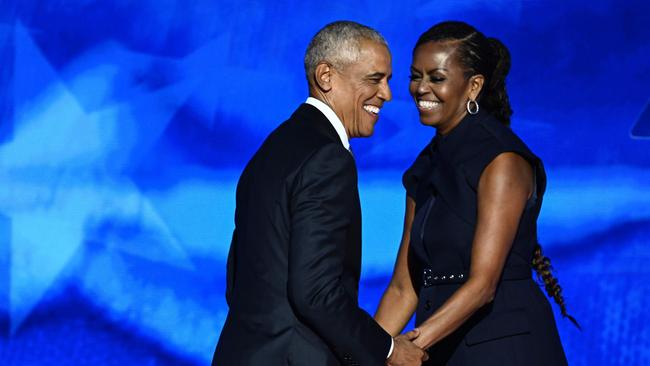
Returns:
point(432, 278)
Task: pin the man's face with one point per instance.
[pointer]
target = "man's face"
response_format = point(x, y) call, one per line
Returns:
point(360, 89)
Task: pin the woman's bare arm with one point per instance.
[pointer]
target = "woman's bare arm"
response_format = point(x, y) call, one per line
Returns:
point(399, 301)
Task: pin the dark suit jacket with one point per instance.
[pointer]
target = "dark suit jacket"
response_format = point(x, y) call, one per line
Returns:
point(295, 257)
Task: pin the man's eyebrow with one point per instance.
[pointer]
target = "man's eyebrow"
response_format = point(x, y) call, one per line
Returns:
point(376, 75)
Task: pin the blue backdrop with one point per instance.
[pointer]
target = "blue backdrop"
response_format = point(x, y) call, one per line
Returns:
point(124, 126)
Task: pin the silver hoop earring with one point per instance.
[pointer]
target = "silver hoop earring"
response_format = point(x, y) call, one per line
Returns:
point(469, 109)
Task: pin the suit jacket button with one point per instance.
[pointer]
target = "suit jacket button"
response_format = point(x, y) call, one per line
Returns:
point(427, 305)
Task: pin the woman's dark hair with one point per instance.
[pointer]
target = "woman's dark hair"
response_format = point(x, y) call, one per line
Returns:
point(544, 271)
point(478, 55)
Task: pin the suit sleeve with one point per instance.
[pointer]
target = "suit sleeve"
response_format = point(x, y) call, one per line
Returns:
point(321, 209)
point(230, 268)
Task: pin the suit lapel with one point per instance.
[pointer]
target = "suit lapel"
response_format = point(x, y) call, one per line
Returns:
point(316, 119)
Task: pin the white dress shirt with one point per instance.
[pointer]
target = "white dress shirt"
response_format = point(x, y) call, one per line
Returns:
point(340, 129)
point(333, 118)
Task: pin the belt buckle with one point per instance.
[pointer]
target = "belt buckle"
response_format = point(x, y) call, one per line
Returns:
point(427, 277)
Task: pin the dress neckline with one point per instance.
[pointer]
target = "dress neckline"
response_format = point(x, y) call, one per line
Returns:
point(453, 140)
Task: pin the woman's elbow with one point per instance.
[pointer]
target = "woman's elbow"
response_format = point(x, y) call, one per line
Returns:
point(488, 295)
point(483, 291)
point(402, 290)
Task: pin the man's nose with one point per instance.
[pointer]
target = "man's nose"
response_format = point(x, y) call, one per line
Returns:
point(384, 92)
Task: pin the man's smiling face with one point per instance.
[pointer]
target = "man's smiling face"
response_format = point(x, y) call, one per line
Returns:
point(360, 89)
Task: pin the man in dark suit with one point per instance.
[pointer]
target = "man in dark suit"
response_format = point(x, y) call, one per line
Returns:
point(295, 257)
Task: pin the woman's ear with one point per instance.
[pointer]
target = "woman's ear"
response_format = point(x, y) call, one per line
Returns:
point(475, 86)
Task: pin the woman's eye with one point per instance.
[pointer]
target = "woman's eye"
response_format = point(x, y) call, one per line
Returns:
point(437, 79)
point(414, 77)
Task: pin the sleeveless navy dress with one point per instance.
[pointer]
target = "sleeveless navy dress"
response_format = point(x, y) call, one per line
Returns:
point(518, 327)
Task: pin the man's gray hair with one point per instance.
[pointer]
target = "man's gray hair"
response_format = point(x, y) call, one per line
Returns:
point(338, 44)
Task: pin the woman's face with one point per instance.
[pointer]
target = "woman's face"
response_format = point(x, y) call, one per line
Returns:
point(438, 85)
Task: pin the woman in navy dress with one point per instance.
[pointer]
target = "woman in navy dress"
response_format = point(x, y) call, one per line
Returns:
point(470, 234)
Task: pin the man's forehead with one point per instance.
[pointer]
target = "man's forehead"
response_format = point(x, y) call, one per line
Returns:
point(371, 46)
point(374, 53)
point(373, 58)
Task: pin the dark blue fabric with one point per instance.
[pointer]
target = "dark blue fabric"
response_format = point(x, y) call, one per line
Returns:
point(518, 327)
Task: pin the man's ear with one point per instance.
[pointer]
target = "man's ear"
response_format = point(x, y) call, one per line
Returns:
point(475, 86)
point(323, 76)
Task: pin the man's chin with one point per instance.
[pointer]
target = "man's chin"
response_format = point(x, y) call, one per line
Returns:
point(367, 132)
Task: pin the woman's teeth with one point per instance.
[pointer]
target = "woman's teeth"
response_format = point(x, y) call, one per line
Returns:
point(427, 104)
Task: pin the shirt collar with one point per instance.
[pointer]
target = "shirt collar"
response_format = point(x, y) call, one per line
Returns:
point(333, 118)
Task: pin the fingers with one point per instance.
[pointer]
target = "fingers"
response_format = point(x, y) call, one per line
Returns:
point(407, 351)
point(420, 343)
point(412, 334)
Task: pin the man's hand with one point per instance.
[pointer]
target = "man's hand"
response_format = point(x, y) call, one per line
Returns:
point(405, 353)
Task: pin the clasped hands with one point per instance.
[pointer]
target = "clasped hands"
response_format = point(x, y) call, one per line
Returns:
point(405, 352)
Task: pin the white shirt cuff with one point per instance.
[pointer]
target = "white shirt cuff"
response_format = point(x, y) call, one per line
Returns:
point(392, 344)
